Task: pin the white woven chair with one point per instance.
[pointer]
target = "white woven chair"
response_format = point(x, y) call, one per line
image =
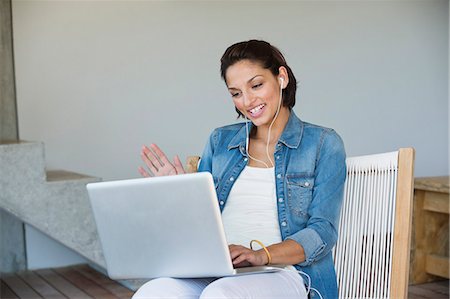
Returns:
point(372, 252)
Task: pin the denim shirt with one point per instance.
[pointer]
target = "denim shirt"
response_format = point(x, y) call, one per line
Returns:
point(309, 172)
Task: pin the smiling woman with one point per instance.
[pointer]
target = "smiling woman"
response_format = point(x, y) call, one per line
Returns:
point(279, 181)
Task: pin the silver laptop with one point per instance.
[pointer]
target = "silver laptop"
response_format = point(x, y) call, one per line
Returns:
point(163, 227)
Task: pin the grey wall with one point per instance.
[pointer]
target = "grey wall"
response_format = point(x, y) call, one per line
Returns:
point(97, 79)
point(8, 112)
point(12, 238)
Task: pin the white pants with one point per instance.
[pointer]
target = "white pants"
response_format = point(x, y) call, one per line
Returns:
point(283, 284)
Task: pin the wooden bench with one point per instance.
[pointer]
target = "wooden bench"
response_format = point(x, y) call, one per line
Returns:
point(430, 236)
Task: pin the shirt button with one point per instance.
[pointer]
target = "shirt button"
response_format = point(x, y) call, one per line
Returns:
point(279, 175)
point(245, 159)
point(306, 184)
point(221, 202)
point(278, 157)
point(232, 179)
point(283, 223)
point(280, 199)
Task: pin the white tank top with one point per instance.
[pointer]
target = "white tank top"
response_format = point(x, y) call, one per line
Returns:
point(251, 209)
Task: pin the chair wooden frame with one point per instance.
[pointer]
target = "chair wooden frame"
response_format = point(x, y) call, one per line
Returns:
point(403, 223)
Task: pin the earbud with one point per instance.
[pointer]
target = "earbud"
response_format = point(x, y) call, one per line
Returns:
point(281, 82)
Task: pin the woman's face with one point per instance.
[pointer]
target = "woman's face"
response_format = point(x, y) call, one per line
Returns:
point(255, 91)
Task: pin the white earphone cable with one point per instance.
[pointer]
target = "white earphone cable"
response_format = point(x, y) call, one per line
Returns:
point(268, 135)
point(309, 288)
point(246, 145)
point(275, 117)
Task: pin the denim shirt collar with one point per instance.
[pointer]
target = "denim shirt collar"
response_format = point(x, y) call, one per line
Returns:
point(291, 136)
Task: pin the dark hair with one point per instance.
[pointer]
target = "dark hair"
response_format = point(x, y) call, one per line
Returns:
point(268, 56)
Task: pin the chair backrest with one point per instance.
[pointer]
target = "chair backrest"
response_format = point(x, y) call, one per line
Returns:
point(192, 164)
point(372, 252)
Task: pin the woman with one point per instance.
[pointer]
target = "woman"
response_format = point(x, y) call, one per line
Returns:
point(278, 180)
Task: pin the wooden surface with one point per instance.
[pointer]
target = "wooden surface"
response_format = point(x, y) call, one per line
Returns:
point(50, 284)
point(437, 184)
point(430, 235)
point(192, 164)
point(434, 290)
point(436, 202)
point(75, 282)
point(437, 265)
point(403, 222)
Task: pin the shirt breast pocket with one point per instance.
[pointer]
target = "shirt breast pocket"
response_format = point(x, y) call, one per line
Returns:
point(299, 188)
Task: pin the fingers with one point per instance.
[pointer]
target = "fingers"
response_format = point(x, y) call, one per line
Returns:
point(160, 155)
point(239, 254)
point(243, 256)
point(157, 162)
point(143, 172)
point(178, 165)
point(149, 160)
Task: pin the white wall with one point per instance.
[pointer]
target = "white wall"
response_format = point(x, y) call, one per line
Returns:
point(44, 252)
point(97, 79)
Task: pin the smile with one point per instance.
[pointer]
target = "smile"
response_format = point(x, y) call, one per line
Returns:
point(257, 110)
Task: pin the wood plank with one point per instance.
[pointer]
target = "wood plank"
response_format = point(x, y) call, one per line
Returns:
point(18, 286)
point(437, 202)
point(420, 246)
point(6, 292)
point(91, 288)
point(437, 265)
point(441, 287)
point(41, 286)
point(419, 292)
point(107, 283)
point(62, 285)
point(437, 184)
point(436, 232)
point(403, 223)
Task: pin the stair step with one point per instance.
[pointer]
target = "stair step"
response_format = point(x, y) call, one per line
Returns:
point(63, 175)
point(55, 202)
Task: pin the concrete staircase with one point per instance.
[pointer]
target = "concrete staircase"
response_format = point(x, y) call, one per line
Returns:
point(54, 202)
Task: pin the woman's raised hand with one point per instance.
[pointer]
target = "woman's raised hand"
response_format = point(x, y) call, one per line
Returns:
point(158, 164)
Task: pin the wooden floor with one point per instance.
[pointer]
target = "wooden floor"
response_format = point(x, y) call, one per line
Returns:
point(81, 281)
point(438, 290)
point(77, 282)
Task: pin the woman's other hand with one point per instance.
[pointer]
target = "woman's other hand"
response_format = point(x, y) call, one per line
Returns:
point(243, 257)
point(158, 164)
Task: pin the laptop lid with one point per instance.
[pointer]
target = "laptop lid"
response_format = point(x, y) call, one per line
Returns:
point(164, 226)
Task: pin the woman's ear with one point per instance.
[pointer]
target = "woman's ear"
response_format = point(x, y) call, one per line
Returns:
point(283, 74)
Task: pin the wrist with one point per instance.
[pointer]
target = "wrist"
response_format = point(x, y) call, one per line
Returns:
point(264, 257)
point(264, 248)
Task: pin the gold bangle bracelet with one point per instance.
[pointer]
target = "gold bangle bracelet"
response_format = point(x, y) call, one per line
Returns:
point(263, 247)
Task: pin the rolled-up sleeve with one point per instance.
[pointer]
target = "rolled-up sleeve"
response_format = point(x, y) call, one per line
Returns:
point(320, 234)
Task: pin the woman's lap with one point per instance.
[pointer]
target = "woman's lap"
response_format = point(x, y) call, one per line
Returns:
point(284, 284)
point(167, 287)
